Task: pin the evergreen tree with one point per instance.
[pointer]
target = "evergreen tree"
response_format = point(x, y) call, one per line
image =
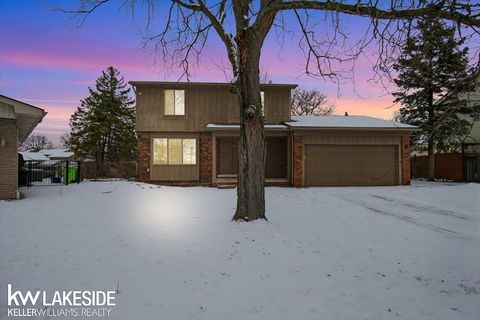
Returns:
point(433, 63)
point(103, 126)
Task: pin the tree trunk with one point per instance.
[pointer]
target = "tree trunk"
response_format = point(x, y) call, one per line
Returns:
point(431, 136)
point(251, 149)
point(431, 159)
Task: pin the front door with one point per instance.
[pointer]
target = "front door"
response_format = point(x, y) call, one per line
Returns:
point(227, 156)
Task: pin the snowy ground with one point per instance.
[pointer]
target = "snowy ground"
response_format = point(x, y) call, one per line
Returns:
point(325, 253)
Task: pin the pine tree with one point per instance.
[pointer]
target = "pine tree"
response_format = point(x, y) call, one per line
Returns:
point(103, 126)
point(433, 63)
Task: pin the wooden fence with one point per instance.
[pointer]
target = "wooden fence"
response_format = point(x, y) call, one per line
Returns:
point(112, 170)
point(448, 166)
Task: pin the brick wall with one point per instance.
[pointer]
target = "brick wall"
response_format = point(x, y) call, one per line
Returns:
point(206, 160)
point(143, 173)
point(8, 159)
point(405, 153)
point(297, 174)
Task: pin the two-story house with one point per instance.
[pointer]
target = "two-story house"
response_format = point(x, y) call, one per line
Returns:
point(470, 166)
point(188, 135)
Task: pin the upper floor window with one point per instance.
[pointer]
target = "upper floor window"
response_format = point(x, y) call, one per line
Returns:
point(174, 102)
point(174, 151)
point(262, 100)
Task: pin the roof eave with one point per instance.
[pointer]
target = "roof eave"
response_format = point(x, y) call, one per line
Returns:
point(352, 128)
point(206, 84)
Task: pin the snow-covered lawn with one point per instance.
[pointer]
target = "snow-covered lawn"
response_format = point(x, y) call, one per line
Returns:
point(325, 253)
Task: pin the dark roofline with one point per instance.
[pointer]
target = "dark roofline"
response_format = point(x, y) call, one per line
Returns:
point(206, 84)
point(27, 104)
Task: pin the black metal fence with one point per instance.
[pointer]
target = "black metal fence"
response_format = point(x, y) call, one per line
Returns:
point(48, 173)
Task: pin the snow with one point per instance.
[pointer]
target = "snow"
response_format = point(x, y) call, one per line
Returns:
point(325, 253)
point(57, 153)
point(328, 122)
point(46, 154)
point(236, 126)
point(35, 156)
point(345, 122)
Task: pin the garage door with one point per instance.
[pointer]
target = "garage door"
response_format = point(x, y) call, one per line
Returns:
point(345, 165)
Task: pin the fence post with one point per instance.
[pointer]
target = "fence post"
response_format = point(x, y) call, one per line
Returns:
point(66, 173)
point(29, 173)
point(78, 172)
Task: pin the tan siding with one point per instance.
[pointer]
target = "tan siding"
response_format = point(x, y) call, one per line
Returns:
point(8, 159)
point(203, 105)
point(352, 139)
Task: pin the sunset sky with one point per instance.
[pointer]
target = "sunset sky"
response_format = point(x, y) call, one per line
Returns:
point(46, 60)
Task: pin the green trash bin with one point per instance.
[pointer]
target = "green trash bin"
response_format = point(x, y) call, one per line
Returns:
point(72, 175)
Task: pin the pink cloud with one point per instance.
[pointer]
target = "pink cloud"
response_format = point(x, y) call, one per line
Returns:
point(376, 107)
point(51, 60)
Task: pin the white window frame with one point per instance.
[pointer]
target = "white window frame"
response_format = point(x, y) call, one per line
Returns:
point(182, 152)
point(262, 102)
point(175, 114)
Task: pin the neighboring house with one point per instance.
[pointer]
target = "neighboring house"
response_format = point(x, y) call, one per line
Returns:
point(33, 156)
point(17, 120)
point(464, 165)
point(188, 134)
point(58, 154)
point(48, 154)
point(471, 142)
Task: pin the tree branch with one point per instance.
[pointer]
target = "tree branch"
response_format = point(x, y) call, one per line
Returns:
point(372, 10)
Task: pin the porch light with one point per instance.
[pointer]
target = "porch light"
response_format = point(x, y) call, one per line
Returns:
point(3, 142)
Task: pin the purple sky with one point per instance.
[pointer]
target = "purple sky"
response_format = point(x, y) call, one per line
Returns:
point(46, 61)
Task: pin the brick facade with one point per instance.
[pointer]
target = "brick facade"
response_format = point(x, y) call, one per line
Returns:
point(8, 159)
point(206, 161)
point(405, 153)
point(143, 173)
point(297, 176)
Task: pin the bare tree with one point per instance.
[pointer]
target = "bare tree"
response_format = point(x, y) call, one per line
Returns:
point(64, 140)
point(36, 143)
point(310, 103)
point(242, 26)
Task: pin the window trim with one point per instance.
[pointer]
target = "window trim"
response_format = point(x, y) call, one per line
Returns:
point(262, 102)
point(184, 115)
point(167, 148)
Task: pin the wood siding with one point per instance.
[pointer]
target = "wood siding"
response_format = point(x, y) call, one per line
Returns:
point(345, 138)
point(203, 105)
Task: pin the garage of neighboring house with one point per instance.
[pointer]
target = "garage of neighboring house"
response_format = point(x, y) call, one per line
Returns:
point(350, 151)
point(17, 121)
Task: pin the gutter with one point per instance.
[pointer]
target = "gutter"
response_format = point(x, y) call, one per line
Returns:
point(33, 126)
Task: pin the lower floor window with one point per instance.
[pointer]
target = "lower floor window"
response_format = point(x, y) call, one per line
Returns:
point(174, 151)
